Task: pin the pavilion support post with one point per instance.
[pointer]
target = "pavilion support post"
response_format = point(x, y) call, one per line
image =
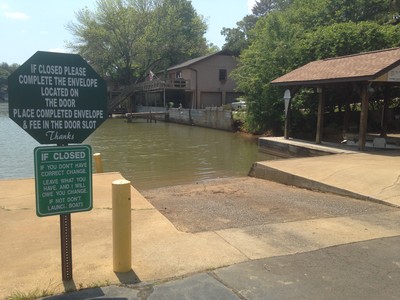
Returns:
point(363, 118)
point(346, 118)
point(287, 123)
point(385, 109)
point(320, 121)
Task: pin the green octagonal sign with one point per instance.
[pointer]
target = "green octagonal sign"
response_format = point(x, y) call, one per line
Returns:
point(57, 98)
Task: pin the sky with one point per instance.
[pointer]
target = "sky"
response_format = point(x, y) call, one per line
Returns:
point(27, 26)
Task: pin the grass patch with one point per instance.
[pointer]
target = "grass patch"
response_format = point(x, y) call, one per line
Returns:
point(35, 294)
point(52, 290)
point(95, 284)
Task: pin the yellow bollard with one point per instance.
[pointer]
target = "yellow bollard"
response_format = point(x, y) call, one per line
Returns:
point(121, 220)
point(98, 163)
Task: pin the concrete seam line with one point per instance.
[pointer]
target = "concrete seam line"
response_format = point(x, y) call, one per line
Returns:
point(217, 278)
point(241, 252)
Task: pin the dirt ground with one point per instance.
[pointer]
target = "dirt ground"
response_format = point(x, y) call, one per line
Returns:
point(246, 201)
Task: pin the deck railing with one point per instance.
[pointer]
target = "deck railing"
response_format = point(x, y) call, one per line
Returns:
point(178, 83)
point(156, 84)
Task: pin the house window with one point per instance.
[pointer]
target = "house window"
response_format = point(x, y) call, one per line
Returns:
point(223, 74)
point(179, 74)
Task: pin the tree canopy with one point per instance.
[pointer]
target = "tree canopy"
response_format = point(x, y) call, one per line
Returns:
point(300, 31)
point(124, 39)
point(237, 39)
point(5, 71)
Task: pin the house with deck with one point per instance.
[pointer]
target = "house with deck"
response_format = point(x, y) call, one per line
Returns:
point(197, 83)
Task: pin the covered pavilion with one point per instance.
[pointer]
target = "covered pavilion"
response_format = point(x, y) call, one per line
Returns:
point(361, 75)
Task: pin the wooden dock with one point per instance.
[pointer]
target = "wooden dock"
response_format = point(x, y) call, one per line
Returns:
point(149, 116)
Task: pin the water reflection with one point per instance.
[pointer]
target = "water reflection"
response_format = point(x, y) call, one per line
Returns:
point(149, 155)
point(16, 148)
point(163, 154)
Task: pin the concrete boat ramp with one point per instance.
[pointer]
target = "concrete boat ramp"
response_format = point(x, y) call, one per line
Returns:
point(30, 246)
point(373, 175)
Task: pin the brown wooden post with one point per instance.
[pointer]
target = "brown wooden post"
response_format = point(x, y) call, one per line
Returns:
point(288, 101)
point(346, 117)
point(363, 118)
point(385, 109)
point(321, 110)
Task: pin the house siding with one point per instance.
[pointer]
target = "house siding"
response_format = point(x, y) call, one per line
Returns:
point(209, 83)
point(208, 90)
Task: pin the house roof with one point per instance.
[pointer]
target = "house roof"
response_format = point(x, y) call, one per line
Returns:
point(193, 61)
point(358, 67)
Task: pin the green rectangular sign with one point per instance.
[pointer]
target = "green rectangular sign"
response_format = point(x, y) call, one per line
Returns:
point(63, 179)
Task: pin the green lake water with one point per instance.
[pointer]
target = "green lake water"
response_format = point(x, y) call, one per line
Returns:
point(150, 155)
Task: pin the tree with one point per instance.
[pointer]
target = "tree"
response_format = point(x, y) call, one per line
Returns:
point(358, 10)
point(304, 31)
point(341, 39)
point(122, 39)
point(237, 39)
point(269, 55)
point(176, 33)
point(5, 71)
point(263, 7)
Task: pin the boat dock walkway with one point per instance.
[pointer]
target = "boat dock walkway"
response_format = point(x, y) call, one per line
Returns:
point(149, 116)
